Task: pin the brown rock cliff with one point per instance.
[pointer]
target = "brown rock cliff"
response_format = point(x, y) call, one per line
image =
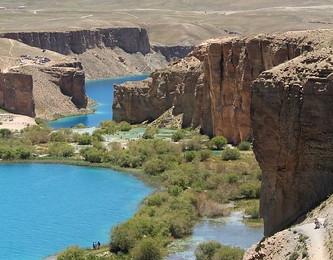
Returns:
point(218, 100)
point(292, 121)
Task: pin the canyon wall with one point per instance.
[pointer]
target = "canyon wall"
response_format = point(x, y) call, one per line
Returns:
point(173, 52)
point(292, 121)
point(131, 40)
point(218, 100)
point(16, 93)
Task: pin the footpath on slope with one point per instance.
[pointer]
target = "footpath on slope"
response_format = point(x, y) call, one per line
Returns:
point(316, 239)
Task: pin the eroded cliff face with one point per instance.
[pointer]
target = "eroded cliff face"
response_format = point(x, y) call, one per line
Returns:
point(218, 100)
point(178, 86)
point(16, 93)
point(292, 121)
point(105, 52)
point(131, 40)
point(40, 83)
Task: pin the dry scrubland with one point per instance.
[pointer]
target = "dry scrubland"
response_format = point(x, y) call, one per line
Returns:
point(172, 21)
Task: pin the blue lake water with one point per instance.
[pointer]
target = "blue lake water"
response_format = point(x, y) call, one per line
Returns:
point(44, 208)
point(102, 92)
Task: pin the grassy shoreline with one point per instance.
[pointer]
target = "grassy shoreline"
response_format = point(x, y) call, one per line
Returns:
point(190, 180)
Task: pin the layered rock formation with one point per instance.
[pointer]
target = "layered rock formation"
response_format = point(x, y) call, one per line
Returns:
point(131, 40)
point(39, 83)
point(114, 51)
point(211, 87)
point(292, 121)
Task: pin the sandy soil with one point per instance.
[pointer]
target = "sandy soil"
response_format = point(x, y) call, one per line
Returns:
point(169, 21)
point(15, 122)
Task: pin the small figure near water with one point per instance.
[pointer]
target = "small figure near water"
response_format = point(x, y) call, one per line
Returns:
point(96, 245)
point(317, 223)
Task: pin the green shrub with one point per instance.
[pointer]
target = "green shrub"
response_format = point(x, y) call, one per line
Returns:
point(149, 133)
point(36, 134)
point(194, 144)
point(244, 146)
point(206, 250)
point(122, 239)
point(250, 190)
point(23, 153)
point(84, 139)
point(228, 253)
point(124, 126)
point(92, 155)
point(154, 166)
point(147, 249)
point(205, 155)
point(180, 227)
point(72, 253)
point(189, 156)
point(60, 150)
point(230, 154)
point(231, 178)
point(178, 135)
point(218, 142)
point(5, 133)
point(252, 210)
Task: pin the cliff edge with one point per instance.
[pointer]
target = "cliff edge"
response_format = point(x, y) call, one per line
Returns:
point(292, 123)
point(211, 87)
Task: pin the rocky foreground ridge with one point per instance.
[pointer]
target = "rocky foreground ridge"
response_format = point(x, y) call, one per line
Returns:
point(211, 87)
point(114, 51)
point(39, 83)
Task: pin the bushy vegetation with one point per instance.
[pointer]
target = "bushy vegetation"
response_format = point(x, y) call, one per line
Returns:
point(194, 181)
point(214, 251)
point(244, 146)
point(61, 150)
point(150, 132)
point(218, 142)
point(229, 154)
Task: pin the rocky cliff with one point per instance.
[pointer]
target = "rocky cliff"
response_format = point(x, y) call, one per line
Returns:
point(292, 121)
point(39, 83)
point(217, 98)
point(16, 93)
point(131, 40)
point(114, 51)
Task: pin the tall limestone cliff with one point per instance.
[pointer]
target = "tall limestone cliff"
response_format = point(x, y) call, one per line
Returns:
point(292, 121)
point(211, 87)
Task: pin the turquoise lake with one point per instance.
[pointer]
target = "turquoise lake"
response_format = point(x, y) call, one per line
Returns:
point(44, 208)
point(102, 92)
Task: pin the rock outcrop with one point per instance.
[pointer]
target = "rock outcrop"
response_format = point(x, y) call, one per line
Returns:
point(211, 87)
point(16, 93)
point(173, 52)
point(131, 40)
point(40, 83)
point(292, 121)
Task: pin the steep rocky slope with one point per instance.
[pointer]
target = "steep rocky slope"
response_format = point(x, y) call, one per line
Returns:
point(300, 241)
point(211, 87)
point(39, 83)
point(293, 137)
point(114, 51)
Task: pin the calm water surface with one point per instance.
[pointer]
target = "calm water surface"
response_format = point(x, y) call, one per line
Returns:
point(44, 208)
point(229, 231)
point(102, 92)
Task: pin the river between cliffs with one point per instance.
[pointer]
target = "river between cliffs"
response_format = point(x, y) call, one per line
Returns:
point(100, 216)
